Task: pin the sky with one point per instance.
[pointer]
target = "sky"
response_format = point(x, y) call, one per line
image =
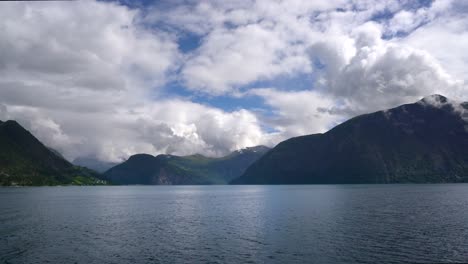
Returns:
point(108, 79)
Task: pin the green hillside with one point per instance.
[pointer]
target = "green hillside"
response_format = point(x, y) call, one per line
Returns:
point(24, 160)
point(424, 142)
point(175, 170)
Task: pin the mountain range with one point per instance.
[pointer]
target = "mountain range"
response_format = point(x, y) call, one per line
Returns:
point(24, 160)
point(94, 163)
point(176, 170)
point(423, 142)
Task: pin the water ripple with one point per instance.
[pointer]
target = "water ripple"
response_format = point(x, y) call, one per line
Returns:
point(235, 224)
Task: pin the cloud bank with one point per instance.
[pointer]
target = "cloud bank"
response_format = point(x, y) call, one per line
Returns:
point(106, 80)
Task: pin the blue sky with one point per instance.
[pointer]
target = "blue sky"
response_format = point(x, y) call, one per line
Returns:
point(109, 79)
point(189, 42)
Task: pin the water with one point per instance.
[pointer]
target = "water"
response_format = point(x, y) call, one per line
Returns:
point(235, 224)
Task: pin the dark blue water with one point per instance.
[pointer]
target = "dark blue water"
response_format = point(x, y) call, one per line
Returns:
point(235, 224)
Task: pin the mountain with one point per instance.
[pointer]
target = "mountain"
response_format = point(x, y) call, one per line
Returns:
point(56, 152)
point(423, 142)
point(94, 164)
point(175, 170)
point(24, 160)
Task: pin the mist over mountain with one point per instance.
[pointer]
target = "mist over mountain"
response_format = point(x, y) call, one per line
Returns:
point(423, 142)
point(94, 163)
point(177, 170)
point(24, 160)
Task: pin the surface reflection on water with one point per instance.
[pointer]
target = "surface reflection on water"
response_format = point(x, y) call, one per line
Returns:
point(180, 224)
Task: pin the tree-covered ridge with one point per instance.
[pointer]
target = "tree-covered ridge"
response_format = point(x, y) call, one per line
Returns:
point(424, 142)
point(174, 170)
point(24, 160)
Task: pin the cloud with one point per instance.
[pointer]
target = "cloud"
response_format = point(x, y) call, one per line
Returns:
point(231, 58)
point(384, 74)
point(91, 78)
point(337, 43)
point(444, 36)
point(3, 112)
point(182, 127)
point(246, 42)
point(84, 77)
point(438, 101)
point(99, 43)
point(296, 113)
point(171, 126)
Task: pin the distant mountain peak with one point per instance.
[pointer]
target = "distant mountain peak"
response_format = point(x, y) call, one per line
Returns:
point(442, 102)
point(438, 97)
point(192, 169)
point(141, 156)
point(436, 100)
point(94, 163)
point(259, 148)
point(12, 123)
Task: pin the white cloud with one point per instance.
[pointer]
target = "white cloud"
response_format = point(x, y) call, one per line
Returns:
point(82, 77)
point(98, 43)
point(445, 37)
point(255, 41)
point(182, 127)
point(437, 101)
point(4, 113)
point(88, 78)
point(266, 40)
point(230, 58)
point(169, 126)
point(384, 74)
point(296, 113)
